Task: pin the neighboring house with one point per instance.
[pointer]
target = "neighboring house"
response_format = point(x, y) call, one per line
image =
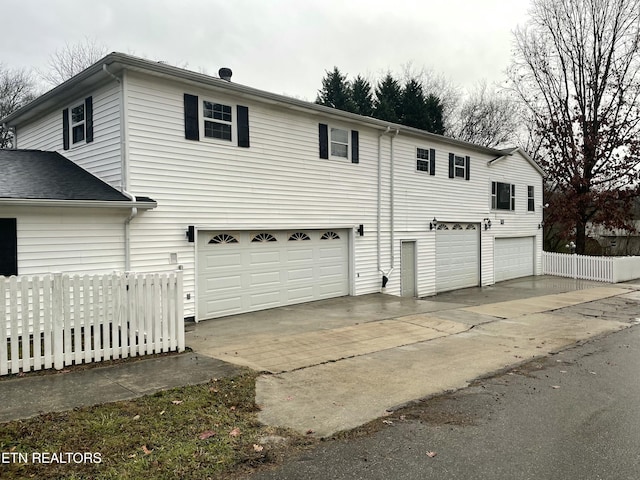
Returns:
point(262, 199)
point(617, 242)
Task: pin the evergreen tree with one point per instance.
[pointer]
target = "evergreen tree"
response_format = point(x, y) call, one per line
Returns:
point(336, 91)
point(388, 102)
point(414, 108)
point(434, 113)
point(362, 96)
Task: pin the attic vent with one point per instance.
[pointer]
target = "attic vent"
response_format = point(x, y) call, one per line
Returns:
point(225, 74)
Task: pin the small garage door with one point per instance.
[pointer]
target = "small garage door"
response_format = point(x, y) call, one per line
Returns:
point(457, 256)
point(514, 258)
point(248, 271)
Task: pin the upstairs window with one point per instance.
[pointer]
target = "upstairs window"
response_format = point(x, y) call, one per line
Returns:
point(218, 120)
point(459, 166)
point(215, 120)
point(531, 206)
point(426, 160)
point(77, 124)
point(339, 143)
point(503, 196)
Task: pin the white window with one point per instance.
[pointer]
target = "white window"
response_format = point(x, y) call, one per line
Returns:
point(77, 122)
point(218, 120)
point(422, 160)
point(339, 143)
point(460, 167)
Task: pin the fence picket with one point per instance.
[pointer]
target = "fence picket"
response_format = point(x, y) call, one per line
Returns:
point(4, 338)
point(58, 320)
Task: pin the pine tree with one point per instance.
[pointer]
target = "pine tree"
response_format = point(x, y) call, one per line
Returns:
point(362, 96)
point(387, 105)
point(414, 108)
point(336, 91)
point(434, 111)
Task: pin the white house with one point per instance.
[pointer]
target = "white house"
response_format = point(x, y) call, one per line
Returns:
point(263, 200)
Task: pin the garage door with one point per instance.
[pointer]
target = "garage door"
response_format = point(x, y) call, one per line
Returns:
point(457, 256)
point(247, 271)
point(514, 258)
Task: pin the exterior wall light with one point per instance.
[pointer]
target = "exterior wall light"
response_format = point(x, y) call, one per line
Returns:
point(433, 224)
point(487, 223)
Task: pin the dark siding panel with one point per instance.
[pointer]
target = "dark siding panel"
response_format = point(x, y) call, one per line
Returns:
point(355, 147)
point(243, 126)
point(88, 112)
point(65, 129)
point(8, 247)
point(191, 121)
point(323, 138)
point(432, 161)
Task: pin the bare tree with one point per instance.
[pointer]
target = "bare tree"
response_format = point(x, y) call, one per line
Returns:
point(488, 117)
point(71, 59)
point(17, 87)
point(577, 70)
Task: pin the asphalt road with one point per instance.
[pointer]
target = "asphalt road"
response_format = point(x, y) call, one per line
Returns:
point(572, 415)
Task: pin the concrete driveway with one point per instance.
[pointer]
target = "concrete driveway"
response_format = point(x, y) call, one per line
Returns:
point(336, 364)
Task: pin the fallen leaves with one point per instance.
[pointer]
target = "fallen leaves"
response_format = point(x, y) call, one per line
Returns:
point(177, 402)
point(257, 448)
point(206, 434)
point(555, 387)
point(431, 454)
point(146, 450)
point(235, 432)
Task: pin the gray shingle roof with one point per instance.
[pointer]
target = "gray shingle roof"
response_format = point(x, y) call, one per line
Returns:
point(35, 174)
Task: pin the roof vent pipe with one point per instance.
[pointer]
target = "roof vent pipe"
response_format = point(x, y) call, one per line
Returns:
point(225, 74)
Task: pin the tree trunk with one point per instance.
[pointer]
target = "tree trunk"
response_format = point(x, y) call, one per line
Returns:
point(581, 237)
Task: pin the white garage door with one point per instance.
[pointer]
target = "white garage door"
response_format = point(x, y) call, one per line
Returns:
point(514, 258)
point(457, 256)
point(247, 271)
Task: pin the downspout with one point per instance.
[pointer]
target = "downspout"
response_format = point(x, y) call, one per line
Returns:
point(392, 223)
point(379, 213)
point(123, 174)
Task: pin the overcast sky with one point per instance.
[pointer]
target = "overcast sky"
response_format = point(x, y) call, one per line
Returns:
point(282, 46)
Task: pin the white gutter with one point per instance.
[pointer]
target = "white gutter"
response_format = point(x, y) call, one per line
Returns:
point(123, 173)
point(127, 233)
point(43, 202)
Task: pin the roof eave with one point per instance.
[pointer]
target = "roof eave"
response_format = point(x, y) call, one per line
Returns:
point(119, 61)
point(44, 202)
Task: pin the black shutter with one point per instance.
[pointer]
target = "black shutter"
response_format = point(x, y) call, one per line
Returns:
point(191, 122)
point(432, 161)
point(451, 165)
point(8, 247)
point(65, 129)
point(355, 147)
point(467, 164)
point(323, 136)
point(243, 126)
point(88, 119)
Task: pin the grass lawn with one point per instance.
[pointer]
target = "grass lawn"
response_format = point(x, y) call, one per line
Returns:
point(199, 432)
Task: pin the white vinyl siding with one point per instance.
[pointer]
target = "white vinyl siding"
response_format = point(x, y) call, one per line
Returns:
point(68, 240)
point(277, 183)
point(102, 156)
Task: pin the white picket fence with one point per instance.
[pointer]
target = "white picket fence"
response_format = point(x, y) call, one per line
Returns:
point(60, 320)
point(601, 269)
